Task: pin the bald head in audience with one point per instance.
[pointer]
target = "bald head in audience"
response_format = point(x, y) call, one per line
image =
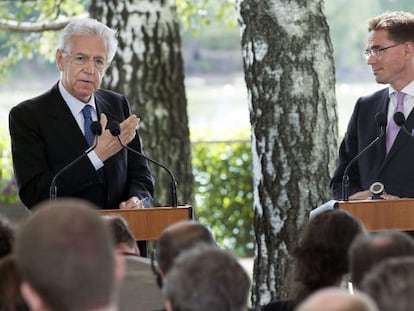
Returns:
point(336, 299)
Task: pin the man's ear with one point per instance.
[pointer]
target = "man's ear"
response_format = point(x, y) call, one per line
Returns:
point(59, 59)
point(32, 298)
point(136, 250)
point(120, 267)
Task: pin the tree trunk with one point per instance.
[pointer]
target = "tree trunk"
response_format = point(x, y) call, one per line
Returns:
point(289, 73)
point(148, 69)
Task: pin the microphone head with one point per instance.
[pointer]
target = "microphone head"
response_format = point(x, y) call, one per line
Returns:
point(399, 118)
point(381, 119)
point(114, 128)
point(96, 128)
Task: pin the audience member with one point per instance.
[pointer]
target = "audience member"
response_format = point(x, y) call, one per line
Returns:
point(67, 259)
point(337, 299)
point(10, 281)
point(138, 288)
point(125, 241)
point(368, 250)
point(206, 278)
point(174, 240)
point(6, 237)
point(391, 284)
point(320, 258)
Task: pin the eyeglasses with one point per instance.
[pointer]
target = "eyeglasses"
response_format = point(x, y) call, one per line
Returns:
point(81, 59)
point(378, 51)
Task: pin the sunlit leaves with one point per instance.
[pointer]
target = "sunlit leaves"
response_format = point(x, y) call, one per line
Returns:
point(224, 185)
point(194, 14)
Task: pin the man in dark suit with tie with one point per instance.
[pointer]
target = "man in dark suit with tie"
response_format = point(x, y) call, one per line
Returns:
point(47, 132)
point(390, 53)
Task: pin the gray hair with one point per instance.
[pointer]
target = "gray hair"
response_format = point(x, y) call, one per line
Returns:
point(89, 26)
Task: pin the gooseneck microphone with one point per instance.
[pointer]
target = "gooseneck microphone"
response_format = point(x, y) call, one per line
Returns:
point(399, 119)
point(381, 121)
point(96, 129)
point(115, 130)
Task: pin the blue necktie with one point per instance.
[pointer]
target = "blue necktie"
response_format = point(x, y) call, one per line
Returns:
point(87, 115)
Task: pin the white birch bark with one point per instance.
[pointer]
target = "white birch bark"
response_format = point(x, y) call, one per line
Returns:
point(289, 73)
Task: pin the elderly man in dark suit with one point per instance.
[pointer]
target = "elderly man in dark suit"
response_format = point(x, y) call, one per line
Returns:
point(390, 53)
point(47, 132)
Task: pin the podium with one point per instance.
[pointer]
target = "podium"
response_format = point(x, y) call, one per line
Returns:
point(379, 215)
point(147, 223)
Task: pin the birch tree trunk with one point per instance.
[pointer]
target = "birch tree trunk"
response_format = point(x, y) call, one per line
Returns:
point(289, 73)
point(148, 69)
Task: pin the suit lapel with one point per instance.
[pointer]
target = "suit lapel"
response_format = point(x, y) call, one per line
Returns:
point(104, 106)
point(62, 121)
point(383, 107)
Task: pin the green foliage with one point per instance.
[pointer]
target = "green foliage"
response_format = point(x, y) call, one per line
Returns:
point(224, 192)
point(194, 14)
point(8, 189)
point(23, 45)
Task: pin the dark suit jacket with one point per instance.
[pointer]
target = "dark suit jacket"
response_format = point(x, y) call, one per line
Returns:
point(45, 137)
point(395, 170)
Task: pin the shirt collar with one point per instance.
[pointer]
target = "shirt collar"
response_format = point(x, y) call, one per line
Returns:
point(74, 104)
point(408, 89)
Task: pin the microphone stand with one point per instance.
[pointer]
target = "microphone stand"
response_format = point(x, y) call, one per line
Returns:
point(381, 121)
point(345, 177)
point(115, 131)
point(97, 130)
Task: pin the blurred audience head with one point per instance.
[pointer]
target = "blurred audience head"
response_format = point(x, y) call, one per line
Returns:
point(124, 238)
point(368, 250)
point(175, 239)
point(206, 278)
point(337, 299)
point(6, 237)
point(66, 257)
point(391, 284)
point(10, 281)
point(320, 258)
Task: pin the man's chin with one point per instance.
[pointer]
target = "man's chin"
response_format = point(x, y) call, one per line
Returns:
point(380, 81)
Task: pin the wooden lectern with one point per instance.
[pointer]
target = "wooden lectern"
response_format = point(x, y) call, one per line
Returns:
point(379, 215)
point(147, 223)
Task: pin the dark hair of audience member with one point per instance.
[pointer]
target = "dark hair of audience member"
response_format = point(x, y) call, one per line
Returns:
point(6, 237)
point(121, 232)
point(10, 280)
point(320, 258)
point(178, 237)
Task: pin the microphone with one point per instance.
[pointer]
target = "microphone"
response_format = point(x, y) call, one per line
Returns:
point(399, 119)
point(96, 129)
point(381, 121)
point(115, 130)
